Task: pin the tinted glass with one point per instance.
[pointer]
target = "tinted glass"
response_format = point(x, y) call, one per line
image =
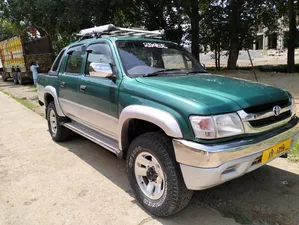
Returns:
point(100, 54)
point(74, 61)
point(144, 57)
point(57, 61)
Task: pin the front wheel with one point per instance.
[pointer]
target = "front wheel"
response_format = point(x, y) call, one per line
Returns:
point(155, 176)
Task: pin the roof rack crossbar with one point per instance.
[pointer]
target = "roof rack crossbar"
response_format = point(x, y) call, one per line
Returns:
point(113, 31)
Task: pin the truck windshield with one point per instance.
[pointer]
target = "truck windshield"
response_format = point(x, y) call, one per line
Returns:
point(150, 58)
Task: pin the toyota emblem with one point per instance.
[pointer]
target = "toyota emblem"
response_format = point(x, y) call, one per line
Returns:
point(276, 110)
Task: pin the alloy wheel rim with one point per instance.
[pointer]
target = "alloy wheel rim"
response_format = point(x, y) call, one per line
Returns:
point(53, 121)
point(149, 175)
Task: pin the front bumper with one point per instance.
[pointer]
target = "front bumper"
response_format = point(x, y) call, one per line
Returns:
point(205, 166)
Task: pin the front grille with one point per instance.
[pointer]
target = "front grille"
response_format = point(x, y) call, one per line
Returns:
point(268, 107)
point(270, 120)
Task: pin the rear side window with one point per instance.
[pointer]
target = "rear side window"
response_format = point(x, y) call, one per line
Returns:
point(74, 61)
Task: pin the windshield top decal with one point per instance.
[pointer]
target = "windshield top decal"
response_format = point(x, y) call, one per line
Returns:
point(154, 45)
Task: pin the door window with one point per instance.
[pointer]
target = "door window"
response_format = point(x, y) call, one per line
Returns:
point(98, 60)
point(74, 61)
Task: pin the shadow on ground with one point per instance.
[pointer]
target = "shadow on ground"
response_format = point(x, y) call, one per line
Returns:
point(265, 196)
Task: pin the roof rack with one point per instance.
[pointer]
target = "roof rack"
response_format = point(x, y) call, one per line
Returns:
point(113, 31)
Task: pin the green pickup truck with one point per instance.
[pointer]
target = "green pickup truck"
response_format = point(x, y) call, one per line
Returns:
point(150, 102)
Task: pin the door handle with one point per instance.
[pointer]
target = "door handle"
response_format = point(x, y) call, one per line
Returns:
point(82, 88)
point(62, 84)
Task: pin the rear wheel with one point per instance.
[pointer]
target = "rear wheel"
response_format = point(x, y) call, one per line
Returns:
point(15, 77)
point(20, 78)
point(4, 77)
point(58, 132)
point(155, 176)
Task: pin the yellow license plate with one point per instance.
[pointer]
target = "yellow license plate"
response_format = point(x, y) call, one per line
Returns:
point(272, 152)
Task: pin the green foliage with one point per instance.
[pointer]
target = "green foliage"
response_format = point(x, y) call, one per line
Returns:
point(294, 153)
point(214, 30)
point(62, 19)
point(8, 29)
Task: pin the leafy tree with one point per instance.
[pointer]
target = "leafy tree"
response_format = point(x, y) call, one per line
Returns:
point(244, 19)
point(214, 30)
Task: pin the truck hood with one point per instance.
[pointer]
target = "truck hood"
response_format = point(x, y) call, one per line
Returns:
point(219, 93)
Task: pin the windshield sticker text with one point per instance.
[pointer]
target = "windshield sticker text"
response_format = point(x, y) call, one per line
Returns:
point(154, 45)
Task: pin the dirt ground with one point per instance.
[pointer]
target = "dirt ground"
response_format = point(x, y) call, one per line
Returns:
point(259, 57)
point(26, 92)
point(78, 182)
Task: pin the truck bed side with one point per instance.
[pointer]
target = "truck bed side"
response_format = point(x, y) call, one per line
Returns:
point(44, 80)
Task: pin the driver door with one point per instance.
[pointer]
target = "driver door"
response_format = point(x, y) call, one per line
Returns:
point(98, 94)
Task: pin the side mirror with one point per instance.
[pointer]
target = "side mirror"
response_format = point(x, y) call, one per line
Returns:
point(101, 70)
point(203, 65)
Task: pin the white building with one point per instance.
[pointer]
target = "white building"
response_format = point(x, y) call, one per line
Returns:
point(276, 41)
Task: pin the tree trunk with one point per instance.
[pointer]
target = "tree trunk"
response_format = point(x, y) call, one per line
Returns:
point(194, 17)
point(219, 55)
point(234, 47)
point(216, 58)
point(292, 37)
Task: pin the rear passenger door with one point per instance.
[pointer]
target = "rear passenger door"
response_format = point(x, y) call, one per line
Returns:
point(69, 82)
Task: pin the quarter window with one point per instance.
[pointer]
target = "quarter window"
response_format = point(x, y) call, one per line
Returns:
point(57, 62)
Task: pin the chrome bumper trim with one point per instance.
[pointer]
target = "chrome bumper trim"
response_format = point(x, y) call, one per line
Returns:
point(197, 178)
point(211, 156)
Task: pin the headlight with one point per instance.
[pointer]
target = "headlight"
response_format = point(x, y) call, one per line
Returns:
point(211, 127)
point(294, 109)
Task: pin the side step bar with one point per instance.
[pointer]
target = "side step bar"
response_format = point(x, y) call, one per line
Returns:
point(96, 137)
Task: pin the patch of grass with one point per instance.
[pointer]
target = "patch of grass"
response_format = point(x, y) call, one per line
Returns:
point(34, 88)
point(23, 101)
point(294, 153)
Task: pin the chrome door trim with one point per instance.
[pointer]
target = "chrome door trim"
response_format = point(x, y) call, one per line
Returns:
point(102, 119)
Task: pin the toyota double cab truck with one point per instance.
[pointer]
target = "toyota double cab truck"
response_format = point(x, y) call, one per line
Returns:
point(178, 127)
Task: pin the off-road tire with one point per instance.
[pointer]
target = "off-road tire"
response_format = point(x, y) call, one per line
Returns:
point(62, 132)
point(176, 196)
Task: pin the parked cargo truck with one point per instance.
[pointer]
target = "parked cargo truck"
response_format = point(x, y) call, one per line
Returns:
point(18, 52)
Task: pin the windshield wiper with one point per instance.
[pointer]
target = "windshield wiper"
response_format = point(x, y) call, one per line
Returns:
point(196, 71)
point(159, 72)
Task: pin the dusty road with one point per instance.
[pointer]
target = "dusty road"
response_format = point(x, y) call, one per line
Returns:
point(78, 182)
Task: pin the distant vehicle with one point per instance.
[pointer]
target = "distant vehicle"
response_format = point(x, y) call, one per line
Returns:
point(178, 127)
point(18, 52)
